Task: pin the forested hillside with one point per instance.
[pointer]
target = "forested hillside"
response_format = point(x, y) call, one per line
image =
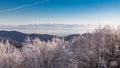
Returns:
point(98, 49)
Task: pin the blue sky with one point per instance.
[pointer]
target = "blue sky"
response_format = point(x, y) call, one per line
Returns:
point(15, 12)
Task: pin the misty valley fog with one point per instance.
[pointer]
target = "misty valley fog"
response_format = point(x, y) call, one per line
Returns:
point(54, 29)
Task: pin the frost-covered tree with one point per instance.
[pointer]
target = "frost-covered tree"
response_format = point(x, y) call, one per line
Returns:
point(10, 56)
point(99, 49)
point(51, 54)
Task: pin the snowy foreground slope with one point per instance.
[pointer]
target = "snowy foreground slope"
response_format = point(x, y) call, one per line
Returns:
point(98, 49)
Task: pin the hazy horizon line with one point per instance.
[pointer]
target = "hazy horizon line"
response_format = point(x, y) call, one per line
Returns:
point(47, 24)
